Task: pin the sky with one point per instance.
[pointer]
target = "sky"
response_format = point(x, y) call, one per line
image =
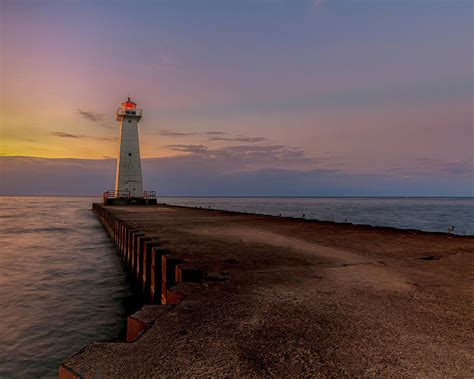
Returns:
point(277, 98)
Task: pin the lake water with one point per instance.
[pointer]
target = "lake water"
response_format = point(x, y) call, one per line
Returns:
point(429, 214)
point(62, 286)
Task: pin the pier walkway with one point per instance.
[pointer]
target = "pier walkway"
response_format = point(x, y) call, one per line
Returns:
point(248, 295)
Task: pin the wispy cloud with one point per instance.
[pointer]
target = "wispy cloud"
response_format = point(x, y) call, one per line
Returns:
point(175, 133)
point(423, 166)
point(80, 136)
point(213, 133)
point(104, 138)
point(67, 135)
point(194, 149)
point(238, 139)
point(172, 133)
point(455, 167)
point(89, 115)
point(214, 136)
point(245, 157)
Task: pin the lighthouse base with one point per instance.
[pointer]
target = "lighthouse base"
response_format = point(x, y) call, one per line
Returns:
point(124, 198)
point(129, 201)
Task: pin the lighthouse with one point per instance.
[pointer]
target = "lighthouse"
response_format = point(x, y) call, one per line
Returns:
point(128, 177)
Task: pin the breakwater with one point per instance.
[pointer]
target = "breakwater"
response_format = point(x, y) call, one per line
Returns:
point(250, 295)
point(153, 269)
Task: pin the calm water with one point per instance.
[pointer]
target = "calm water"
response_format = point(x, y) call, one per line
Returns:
point(430, 214)
point(62, 286)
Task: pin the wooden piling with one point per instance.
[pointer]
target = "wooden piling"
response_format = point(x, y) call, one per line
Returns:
point(147, 267)
point(153, 270)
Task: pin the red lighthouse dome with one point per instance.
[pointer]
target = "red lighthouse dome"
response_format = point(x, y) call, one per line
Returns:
point(128, 104)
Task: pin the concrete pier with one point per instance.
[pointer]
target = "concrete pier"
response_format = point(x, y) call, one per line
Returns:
point(232, 294)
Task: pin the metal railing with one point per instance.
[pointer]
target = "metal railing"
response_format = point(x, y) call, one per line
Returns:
point(115, 195)
point(112, 194)
point(149, 194)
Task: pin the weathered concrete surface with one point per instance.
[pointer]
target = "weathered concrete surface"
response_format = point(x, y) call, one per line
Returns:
point(293, 298)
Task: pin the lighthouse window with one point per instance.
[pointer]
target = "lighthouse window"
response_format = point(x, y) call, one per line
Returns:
point(127, 112)
point(129, 120)
point(129, 154)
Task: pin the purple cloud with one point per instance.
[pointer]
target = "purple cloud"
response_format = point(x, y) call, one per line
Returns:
point(455, 167)
point(89, 115)
point(80, 136)
point(195, 149)
point(173, 133)
point(195, 174)
point(238, 139)
point(67, 135)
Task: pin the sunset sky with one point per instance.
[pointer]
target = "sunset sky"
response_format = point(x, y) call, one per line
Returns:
point(317, 97)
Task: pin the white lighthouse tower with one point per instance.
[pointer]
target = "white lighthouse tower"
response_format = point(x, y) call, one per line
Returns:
point(128, 179)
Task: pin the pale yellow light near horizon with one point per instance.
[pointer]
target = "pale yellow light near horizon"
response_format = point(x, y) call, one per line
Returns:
point(36, 132)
